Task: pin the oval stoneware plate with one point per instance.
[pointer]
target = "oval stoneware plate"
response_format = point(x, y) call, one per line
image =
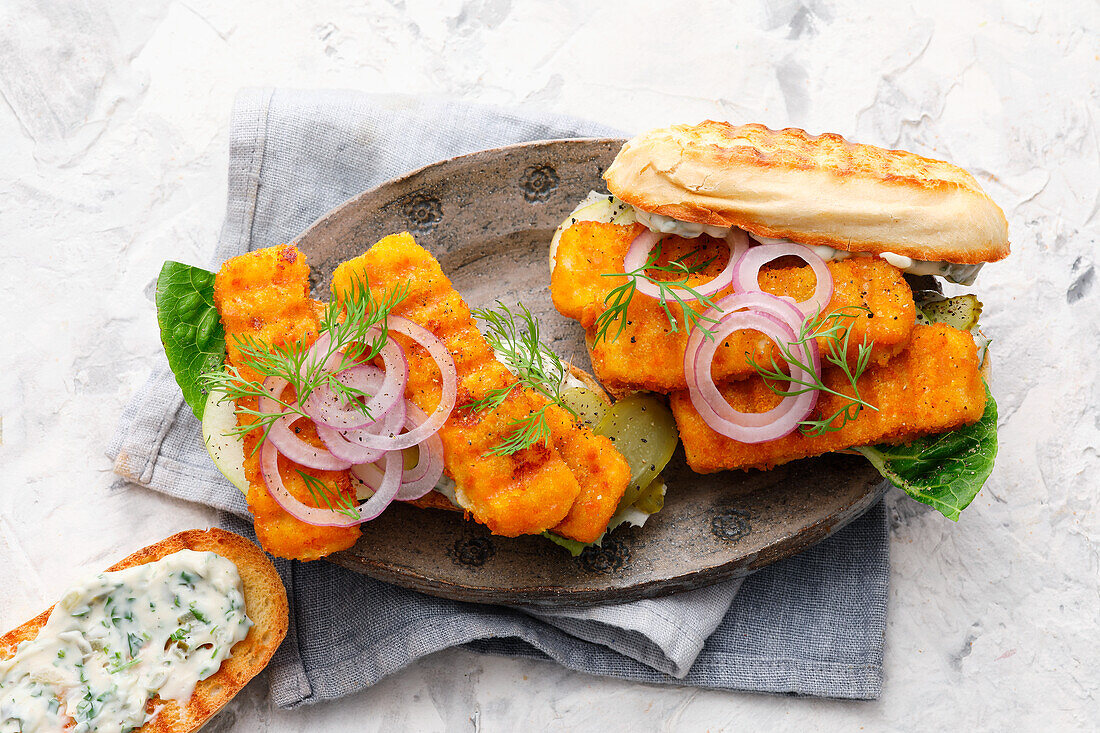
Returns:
point(488, 218)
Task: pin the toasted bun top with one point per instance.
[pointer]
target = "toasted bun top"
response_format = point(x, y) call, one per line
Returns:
point(811, 189)
point(265, 603)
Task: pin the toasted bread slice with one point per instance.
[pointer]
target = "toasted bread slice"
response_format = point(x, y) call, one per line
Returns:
point(265, 604)
point(813, 189)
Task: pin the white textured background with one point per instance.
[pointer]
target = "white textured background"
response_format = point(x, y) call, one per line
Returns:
point(113, 156)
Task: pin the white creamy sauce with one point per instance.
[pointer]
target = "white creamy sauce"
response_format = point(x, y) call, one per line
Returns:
point(957, 273)
point(686, 229)
point(120, 638)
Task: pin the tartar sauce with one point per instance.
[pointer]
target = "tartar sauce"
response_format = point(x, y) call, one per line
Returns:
point(962, 274)
point(120, 638)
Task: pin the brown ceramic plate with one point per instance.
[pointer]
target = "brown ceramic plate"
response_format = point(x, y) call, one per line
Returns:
point(488, 218)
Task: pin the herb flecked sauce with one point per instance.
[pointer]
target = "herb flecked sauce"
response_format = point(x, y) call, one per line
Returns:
point(117, 640)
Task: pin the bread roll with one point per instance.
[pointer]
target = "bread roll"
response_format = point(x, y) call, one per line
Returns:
point(817, 190)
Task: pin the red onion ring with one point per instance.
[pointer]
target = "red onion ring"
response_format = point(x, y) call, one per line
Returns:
point(422, 478)
point(367, 378)
point(347, 444)
point(269, 467)
point(324, 406)
point(390, 440)
point(288, 442)
point(778, 320)
point(385, 490)
point(364, 440)
point(738, 241)
point(643, 244)
point(746, 273)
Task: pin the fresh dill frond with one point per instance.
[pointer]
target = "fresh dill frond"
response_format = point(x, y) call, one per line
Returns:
point(525, 433)
point(835, 329)
point(520, 347)
point(334, 500)
point(515, 337)
point(357, 331)
point(619, 298)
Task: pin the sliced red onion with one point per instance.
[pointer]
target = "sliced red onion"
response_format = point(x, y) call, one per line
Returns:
point(348, 443)
point(385, 490)
point(746, 274)
point(274, 387)
point(325, 406)
point(642, 246)
point(422, 478)
point(366, 378)
point(298, 450)
point(321, 517)
point(779, 321)
point(781, 308)
point(738, 241)
point(287, 441)
point(365, 441)
point(390, 440)
point(350, 450)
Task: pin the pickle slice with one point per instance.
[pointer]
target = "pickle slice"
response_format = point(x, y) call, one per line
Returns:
point(589, 406)
point(225, 447)
point(652, 498)
point(960, 312)
point(644, 431)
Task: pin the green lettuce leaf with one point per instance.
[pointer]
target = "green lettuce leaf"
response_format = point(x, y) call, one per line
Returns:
point(190, 328)
point(944, 471)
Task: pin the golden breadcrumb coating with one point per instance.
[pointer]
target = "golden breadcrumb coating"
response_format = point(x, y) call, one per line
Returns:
point(527, 492)
point(265, 295)
point(648, 355)
point(931, 387)
point(601, 471)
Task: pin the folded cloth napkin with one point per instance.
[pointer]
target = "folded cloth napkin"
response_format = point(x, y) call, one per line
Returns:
point(811, 625)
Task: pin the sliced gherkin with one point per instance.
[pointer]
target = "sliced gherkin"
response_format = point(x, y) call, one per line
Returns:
point(588, 406)
point(652, 498)
point(960, 312)
point(644, 431)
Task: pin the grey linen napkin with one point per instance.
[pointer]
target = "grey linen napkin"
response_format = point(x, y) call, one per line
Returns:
point(811, 625)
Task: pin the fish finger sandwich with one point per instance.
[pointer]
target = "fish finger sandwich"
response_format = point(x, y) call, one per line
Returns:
point(781, 289)
point(325, 413)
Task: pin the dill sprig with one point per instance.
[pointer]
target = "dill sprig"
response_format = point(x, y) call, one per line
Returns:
point(618, 299)
point(524, 433)
point(357, 331)
point(835, 329)
point(334, 500)
point(536, 367)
